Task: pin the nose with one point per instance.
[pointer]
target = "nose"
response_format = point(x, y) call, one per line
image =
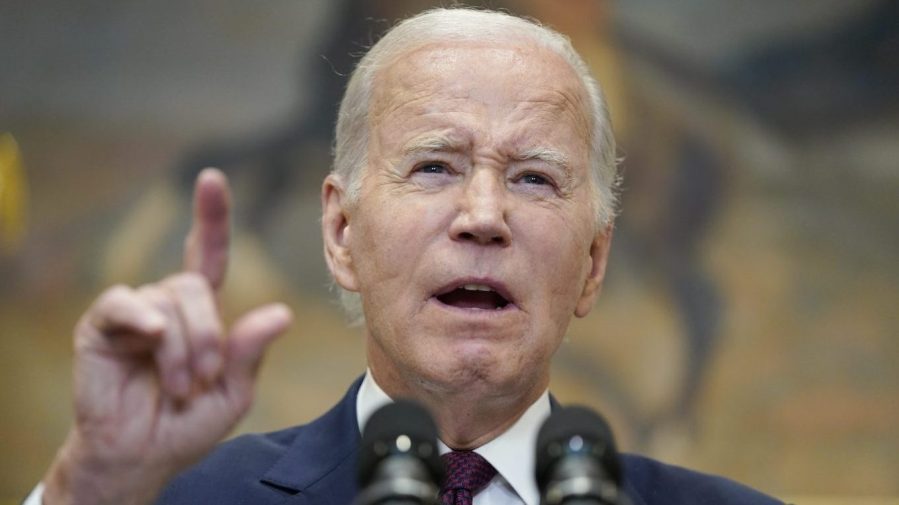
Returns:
point(482, 211)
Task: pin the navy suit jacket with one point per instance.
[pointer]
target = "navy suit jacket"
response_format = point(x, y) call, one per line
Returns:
point(315, 464)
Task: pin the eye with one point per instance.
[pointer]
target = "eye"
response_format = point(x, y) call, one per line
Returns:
point(432, 168)
point(534, 179)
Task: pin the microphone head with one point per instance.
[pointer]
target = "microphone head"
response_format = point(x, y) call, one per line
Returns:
point(575, 431)
point(402, 428)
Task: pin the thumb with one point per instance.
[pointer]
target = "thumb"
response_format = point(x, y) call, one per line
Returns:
point(249, 338)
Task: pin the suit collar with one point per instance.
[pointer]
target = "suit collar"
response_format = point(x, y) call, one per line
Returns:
point(322, 453)
point(553, 403)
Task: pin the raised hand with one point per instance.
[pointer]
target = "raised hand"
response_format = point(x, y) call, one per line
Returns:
point(158, 378)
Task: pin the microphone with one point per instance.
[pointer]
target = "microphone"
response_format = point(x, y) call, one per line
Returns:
point(577, 463)
point(399, 463)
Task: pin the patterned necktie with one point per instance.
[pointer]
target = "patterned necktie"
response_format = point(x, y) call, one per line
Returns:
point(466, 474)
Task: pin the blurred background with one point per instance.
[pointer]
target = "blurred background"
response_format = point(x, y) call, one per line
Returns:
point(749, 325)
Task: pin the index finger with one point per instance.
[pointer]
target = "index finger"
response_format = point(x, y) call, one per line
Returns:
point(206, 246)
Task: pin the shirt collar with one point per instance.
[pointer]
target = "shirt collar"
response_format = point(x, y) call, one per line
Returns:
point(512, 453)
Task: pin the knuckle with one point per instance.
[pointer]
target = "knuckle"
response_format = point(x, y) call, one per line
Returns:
point(157, 297)
point(173, 359)
point(84, 330)
point(205, 337)
point(153, 293)
point(114, 293)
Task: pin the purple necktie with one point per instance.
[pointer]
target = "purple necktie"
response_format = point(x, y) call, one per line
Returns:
point(466, 474)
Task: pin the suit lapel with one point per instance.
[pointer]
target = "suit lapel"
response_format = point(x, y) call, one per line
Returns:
point(320, 465)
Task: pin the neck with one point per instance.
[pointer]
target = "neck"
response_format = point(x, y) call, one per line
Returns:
point(469, 422)
point(468, 415)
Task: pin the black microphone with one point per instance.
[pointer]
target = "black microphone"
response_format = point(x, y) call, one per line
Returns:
point(577, 463)
point(399, 463)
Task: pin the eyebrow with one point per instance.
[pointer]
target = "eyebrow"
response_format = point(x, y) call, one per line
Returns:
point(432, 142)
point(546, 155)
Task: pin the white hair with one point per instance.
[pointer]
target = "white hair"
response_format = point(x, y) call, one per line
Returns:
point(464, 24)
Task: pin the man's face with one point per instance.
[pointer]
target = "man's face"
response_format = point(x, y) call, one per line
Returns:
point(473, 240)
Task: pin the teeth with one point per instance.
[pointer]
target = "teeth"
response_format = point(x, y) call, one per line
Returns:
point(476, 287)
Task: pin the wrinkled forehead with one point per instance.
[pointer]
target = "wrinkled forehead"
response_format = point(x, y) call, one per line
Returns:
point(514, 72)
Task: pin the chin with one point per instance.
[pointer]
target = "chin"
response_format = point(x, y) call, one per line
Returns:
point(476, 369)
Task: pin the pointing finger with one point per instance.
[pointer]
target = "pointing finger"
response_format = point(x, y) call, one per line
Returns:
point(201, 324)
point(206, 246)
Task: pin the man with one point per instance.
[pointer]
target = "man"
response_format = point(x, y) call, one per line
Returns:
point(469, 214)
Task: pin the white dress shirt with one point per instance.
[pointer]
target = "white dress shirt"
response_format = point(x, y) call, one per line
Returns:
point(36, 496)
point(511, 454)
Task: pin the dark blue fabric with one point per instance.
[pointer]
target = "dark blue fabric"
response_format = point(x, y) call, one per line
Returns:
point(315, 464)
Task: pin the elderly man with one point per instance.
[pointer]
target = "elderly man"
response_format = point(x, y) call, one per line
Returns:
point(468, 217)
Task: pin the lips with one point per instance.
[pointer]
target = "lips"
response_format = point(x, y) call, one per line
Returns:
point(477, 294)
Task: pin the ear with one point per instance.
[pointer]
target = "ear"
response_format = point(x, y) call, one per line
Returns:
point(336, 233)
point(599, 255)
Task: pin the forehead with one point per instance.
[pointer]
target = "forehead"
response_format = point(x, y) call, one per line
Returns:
point(514, 80)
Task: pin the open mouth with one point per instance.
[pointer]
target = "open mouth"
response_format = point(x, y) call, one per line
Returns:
point(474, 296)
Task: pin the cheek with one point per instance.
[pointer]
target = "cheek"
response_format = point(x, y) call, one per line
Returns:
point(376, 256)
point(561, 255)
point(392, 238)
